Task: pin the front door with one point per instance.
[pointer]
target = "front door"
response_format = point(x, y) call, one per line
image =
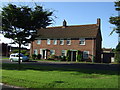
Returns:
point(73, 55)
point(43, 53)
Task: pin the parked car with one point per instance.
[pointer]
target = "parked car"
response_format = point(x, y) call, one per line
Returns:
point(15, 57)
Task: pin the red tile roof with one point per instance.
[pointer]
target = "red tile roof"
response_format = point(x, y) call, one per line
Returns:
point(76, 31)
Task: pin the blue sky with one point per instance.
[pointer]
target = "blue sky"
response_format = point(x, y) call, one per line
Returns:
point(79, 13)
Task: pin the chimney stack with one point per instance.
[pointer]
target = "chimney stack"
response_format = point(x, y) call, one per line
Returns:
point(64, 23)
point(98, 22)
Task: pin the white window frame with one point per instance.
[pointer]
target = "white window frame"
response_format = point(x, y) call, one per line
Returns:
point(48, 41)
point(54, 41)
point(62, 41)
point(39, 41)
point(68, 40)
point(63, 51)
point(82, 39)
point(53, 53)
point(35, 51)
point(84, 54)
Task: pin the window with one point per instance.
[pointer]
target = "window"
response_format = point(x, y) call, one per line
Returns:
point(48, 41)
point(82, 41)
point(52, 52)
point(35, 52)
point(38, 41)
point(68, 41)
point(55, 42)
point(86, 54)
point(61, 41)
point(63, 52)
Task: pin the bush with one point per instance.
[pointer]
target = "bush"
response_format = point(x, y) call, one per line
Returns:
point(15, 51)
point(34, 56)
point(23, 51)
point(79, 57)
point(63, 58)
point(68, 55)
point(39, 56)
point(59, 57)
point(26, 54)
point(52, 57)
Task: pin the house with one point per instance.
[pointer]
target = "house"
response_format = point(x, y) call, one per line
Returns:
point(4, 49)
point(107, 55)
point(57, 41)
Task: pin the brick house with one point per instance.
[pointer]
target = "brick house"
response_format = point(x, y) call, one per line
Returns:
point(58, 40)
point(4, 49)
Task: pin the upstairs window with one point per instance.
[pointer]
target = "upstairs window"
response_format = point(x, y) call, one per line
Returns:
point(38, 41)
point(61, 41)
point(55, 42)
point(48, 41)
point(82, 41)
point(68, 41)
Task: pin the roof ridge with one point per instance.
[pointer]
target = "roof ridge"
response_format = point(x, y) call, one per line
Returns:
point(72, 26)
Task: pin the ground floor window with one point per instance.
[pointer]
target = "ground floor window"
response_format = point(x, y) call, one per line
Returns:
point(85, 54)
point(52, 52)
point(35, 51)
point(63, 52)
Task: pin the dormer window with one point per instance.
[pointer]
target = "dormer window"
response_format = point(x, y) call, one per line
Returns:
point(82, 41)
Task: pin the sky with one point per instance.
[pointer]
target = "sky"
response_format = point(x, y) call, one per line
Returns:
point(80, 13)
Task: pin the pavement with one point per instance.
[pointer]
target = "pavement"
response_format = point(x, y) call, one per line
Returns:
point(9, 87)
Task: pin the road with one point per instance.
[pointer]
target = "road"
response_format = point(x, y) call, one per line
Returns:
point(113, 67)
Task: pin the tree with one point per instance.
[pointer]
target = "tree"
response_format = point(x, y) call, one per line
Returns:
point(116, 19)
point(21, 23)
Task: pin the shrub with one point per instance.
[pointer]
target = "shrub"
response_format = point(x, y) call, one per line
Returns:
point(23, 51)
point(63, 58)
point(59, 57)
point(34, 56)
point(15, 51)
point(26, 54)
point(79, 57)
point(39, 56)
point(68, 55)
point(52, 57)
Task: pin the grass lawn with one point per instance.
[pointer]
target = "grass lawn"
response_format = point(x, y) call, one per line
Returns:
point(30, 76)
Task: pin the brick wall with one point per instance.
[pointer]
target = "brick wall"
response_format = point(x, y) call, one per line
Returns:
point(89, 46)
